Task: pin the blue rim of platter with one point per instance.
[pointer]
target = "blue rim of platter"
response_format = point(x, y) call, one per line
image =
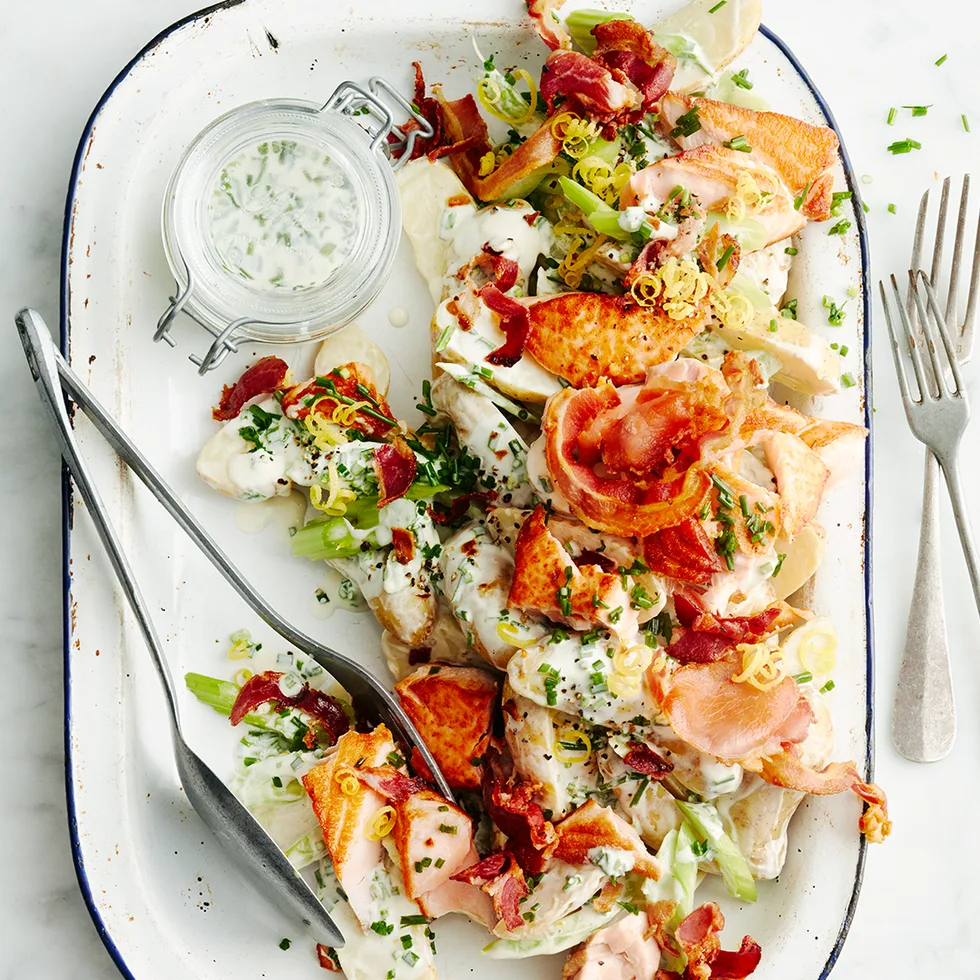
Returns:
point(66, 493)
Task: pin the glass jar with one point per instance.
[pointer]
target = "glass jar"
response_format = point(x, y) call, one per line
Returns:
point(282, 218)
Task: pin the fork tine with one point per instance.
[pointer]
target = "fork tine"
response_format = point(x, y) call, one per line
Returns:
point(916, 263)
point(944, 334)
point(929, 335)
point(937, 255)
point(925, 391)
point(896, 350)
point(954, 272)
point(966, 332)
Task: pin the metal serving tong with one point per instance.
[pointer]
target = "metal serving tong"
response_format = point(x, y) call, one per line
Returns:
point(236, 829)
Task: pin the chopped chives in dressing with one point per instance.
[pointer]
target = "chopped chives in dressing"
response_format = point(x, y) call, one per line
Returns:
point(282, 215)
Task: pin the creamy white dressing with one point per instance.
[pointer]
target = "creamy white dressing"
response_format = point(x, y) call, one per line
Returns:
point(335, 591)
point(582, 688)
point(284, 513)
point(750, 577)
point(398, 316)
point(611, 860)
point(526, 379)
point(283, 216)
point(252, 469)
point(506, 229)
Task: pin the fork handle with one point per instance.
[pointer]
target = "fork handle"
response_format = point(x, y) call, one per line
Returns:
point(924, 719)
point(952, 473)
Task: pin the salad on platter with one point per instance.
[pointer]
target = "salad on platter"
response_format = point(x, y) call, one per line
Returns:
point(585, 552)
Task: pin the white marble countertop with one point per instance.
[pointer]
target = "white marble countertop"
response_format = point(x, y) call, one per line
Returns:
point(915, 914)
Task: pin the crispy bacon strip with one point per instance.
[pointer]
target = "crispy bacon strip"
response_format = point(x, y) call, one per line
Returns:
point(508, 804)
point(697, 936)
point(454, 514)
point(616, 504)
point(628, 49)
point(641, 758)
point(466, 132)
point(684, 552)
point(699, 648)
point(316, 395)
point(264, 688)
point(395, 467)
point(327, 958)
point(544, 13)
point(786, 770)
point(501, 877)
point(403, 545)
point(737, 629)
point(265, 376)
point(514, 322)
point(500, 270)
point(390, 783)
point(622, 81)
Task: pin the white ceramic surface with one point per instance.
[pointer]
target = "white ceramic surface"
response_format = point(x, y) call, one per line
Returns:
point(31, 525)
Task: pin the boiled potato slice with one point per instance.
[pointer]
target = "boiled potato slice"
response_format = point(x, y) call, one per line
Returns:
point(720, 37)
point(426, 189)
point(808, 363)
point(353, 344)
point(803, 557)
point(445, 644)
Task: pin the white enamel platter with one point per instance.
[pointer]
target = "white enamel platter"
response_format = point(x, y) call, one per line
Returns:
point(166, 901)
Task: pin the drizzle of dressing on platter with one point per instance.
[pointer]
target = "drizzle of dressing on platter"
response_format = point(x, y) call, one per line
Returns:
point(336, 591)
point(398, 316)
point(283, 512)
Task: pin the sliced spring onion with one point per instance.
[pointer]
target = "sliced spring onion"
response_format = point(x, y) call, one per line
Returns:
point(904, 146)
point(939, 61)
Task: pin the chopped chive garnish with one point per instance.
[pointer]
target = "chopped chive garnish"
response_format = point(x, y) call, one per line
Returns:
point(725, 256)
point(892, 113)
point(772, 326)
point(966, 122)
point(738, 143)
point(791, 250)
point(941, 60)
point(892, 209)
point(414, 920)
point(844, 349)
point(803, 678)
point(840, 228)
point(918, 110)
point(277, 782)
point(741, 79)
point(440, 862)
point(687, 125)
point(800, 199)
point(446, 828)
point(285, 943)
point(717, 6)
point(779, 564)
point(641, 789)
point(904, 146)
point(828, 687)
point(847, 380)
point(864, 207)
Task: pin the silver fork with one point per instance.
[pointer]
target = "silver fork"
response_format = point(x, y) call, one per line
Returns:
point(937, 410)
point(924, 717)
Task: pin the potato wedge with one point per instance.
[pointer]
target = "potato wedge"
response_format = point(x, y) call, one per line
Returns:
point(426, 191)
point(803, 557)
point(808, 363)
